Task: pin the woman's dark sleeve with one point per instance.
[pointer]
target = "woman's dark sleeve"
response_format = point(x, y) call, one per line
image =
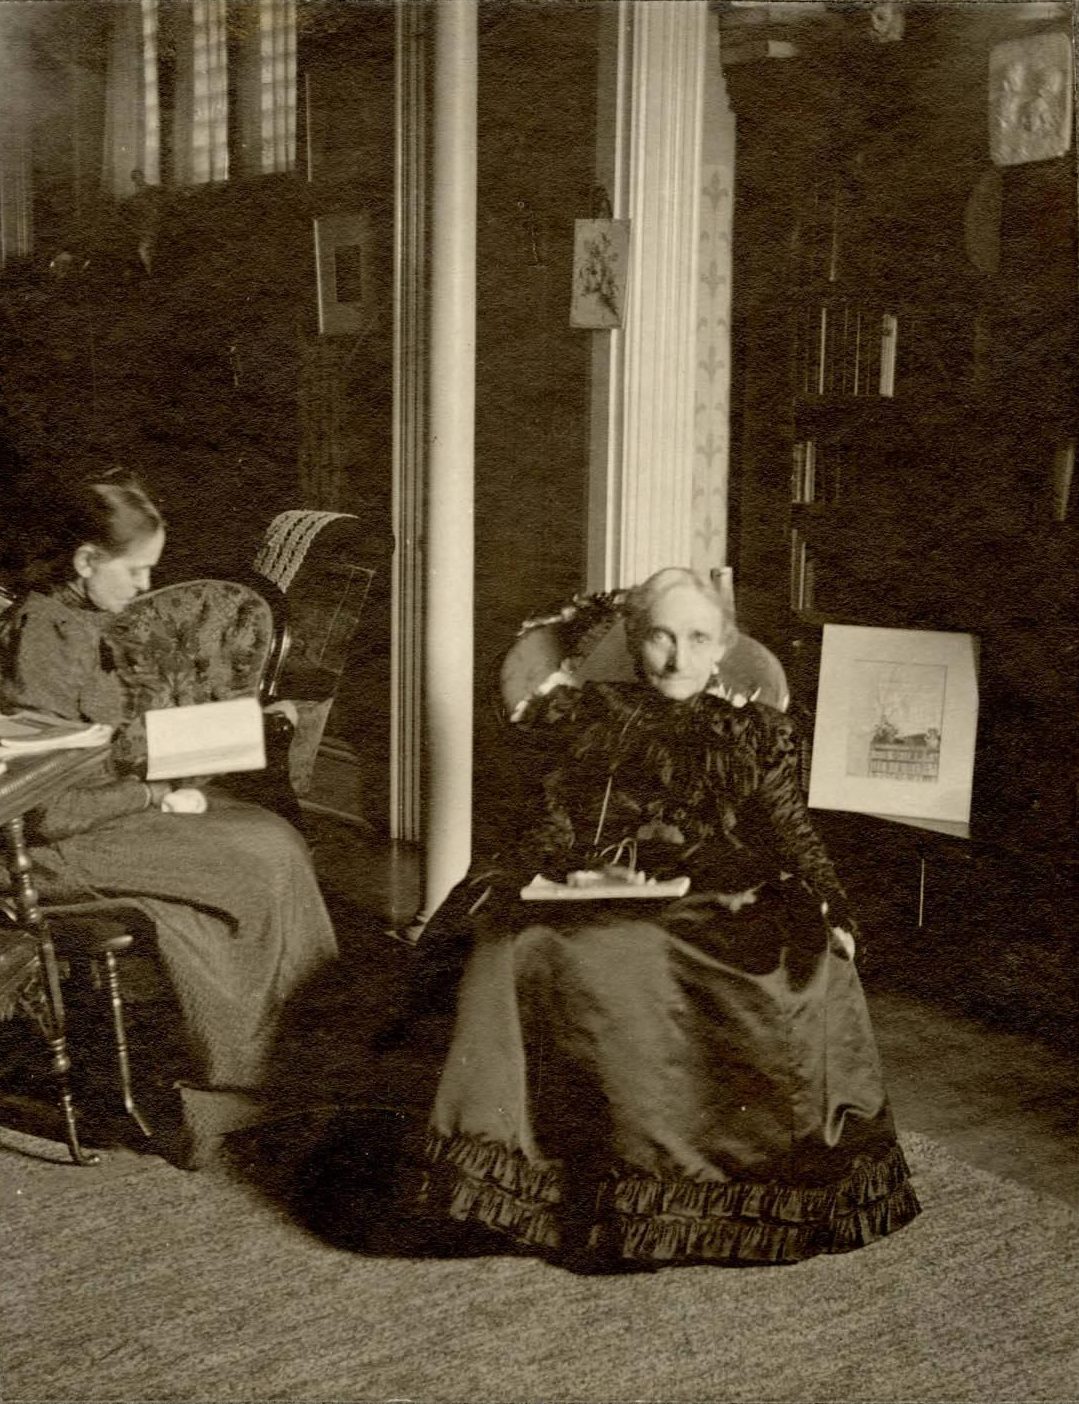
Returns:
point(540, 837)
point(800, 848)
point(560, 704)
point(54, 665)
point(88, 805)
point(548, 844)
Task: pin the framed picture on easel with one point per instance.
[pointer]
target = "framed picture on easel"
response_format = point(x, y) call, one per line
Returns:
point(897, 718)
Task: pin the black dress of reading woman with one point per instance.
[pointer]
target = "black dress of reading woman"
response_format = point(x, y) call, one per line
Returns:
point(659, 1081)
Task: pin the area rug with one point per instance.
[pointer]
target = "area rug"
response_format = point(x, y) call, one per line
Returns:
point(137, 1282)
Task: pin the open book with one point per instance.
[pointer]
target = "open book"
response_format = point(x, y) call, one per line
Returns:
point(209, 738)
point(33, 733)
point(542, 889)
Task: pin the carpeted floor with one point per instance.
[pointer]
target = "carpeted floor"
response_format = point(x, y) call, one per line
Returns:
point(139, 1282)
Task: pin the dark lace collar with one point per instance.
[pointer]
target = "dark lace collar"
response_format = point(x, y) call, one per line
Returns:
point(637, 699)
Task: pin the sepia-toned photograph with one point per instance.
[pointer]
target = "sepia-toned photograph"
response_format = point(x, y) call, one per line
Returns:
point(538, 701)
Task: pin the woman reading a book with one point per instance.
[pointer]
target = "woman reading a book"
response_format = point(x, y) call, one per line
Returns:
point(230, 887)
point(632, 1076)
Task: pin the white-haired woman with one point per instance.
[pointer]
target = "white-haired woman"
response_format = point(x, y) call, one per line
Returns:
point(676, 1079)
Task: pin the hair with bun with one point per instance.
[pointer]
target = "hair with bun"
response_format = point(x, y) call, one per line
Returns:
point(111, 511)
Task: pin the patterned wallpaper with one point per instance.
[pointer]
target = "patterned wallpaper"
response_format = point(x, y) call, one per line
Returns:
point(712, 397)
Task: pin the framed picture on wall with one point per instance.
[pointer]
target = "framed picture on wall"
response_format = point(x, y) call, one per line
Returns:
point(344, 271)
point(1031, 98)
point(897, 717)
point(600, 258)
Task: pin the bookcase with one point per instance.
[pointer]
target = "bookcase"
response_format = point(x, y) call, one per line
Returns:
point(904, 407)
point(884, 366)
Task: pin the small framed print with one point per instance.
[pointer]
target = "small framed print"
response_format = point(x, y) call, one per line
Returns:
point(897, 716)
point(600, 258)
point(344, 271)
point(1030, 98)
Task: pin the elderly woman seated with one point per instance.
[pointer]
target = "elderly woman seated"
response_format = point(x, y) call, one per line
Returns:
point(659, 1049)
point(229, 886)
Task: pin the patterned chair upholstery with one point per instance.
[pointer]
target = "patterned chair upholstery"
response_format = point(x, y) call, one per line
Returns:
point(199, 641)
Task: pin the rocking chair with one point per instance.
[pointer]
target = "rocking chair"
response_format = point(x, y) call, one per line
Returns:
point(324, 563)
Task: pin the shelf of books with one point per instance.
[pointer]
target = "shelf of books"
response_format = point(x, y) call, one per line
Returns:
point(844, 357)
point(846, 348)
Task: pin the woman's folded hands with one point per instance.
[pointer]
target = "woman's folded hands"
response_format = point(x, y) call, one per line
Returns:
point(186, 800)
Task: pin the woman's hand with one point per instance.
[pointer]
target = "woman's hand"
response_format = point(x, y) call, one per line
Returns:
point(842, 940)
point(285, 709)
point(186, 800)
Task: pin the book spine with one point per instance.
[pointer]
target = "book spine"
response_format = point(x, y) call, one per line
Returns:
point(889, 337)
point(856, 354)
point(844, 352)
point(798, 570)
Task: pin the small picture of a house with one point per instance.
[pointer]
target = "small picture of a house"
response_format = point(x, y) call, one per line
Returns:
point(895, 721)
point(915, 757)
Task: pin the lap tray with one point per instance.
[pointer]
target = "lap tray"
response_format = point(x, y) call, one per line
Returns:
point(542, 889)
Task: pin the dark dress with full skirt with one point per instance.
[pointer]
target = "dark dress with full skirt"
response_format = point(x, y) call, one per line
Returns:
point(655, 1081)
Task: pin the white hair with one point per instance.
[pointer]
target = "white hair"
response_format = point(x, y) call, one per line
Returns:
point(641, 598)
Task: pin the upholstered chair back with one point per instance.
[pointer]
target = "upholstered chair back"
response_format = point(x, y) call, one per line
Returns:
point(197, 641)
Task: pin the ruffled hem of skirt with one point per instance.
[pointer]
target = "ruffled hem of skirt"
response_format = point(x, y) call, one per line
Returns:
point(655, 1219)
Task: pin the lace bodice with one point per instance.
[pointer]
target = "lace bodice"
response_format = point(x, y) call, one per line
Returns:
point(701, 787)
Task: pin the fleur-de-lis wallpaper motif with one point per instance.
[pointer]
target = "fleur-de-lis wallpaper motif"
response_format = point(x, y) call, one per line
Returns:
point(711, 447)
point(715, 189)
point(711, 278)
point(707, 531)
point(711, 399)
point(713, 348)
point(713, 361)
